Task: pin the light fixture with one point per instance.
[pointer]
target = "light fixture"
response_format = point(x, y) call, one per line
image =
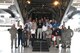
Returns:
point(56, 3)
point(28, 1)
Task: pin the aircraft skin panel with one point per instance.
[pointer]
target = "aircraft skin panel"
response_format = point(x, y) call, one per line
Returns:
point(72, 19)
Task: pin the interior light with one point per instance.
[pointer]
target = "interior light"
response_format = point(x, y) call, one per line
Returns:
point(28, 2)
point(56, 3)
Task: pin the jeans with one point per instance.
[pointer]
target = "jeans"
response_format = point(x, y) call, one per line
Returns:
point(22, 42)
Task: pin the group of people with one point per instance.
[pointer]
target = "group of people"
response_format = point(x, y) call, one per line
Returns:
point(42, 28)
point(66, 37)
point(14, 31)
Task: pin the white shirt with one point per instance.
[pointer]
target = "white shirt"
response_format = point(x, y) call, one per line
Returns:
point(44, 28)
point(33, 31)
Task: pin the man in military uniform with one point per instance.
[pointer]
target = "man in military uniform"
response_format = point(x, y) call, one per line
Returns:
point(69, 36)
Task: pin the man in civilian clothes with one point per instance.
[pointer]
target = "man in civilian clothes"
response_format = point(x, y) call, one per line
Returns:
point(58, 36)
point(20, 35)
point(39, 29)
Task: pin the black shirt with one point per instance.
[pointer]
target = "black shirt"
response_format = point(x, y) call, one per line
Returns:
point(39, 25)
point(58, 31)
point(20, 31)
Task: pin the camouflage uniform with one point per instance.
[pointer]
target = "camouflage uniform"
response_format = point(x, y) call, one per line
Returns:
point(63, 37)
point(13, 32)
point(68, 36)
